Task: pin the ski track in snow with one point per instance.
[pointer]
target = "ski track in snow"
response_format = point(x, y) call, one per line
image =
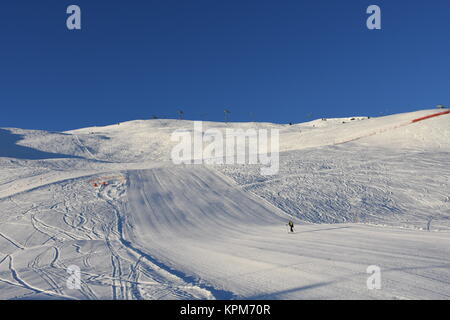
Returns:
point(152, 230)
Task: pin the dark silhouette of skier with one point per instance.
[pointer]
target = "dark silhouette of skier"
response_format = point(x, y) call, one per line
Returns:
point(291, 225)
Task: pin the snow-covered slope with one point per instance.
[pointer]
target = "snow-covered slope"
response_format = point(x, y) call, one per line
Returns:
point(110, 201)
point(143, 140)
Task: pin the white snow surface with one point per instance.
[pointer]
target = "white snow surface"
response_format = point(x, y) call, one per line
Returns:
point(109, 200)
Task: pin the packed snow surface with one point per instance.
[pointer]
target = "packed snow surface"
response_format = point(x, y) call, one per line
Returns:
point(108, 200)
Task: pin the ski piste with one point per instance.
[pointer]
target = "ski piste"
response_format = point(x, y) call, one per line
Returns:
point(138, 226)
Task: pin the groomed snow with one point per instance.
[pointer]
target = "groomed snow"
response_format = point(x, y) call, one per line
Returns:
point(109, 200)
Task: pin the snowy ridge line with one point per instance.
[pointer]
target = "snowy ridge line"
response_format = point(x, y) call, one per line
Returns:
point(430, 116)
point(395, 127)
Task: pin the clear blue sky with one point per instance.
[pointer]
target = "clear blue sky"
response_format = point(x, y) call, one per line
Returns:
point(265, 60)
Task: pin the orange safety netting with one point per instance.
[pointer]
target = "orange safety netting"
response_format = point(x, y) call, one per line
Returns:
point(431, 116)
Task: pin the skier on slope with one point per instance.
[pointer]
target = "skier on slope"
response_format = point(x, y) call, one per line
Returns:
point(291, 225)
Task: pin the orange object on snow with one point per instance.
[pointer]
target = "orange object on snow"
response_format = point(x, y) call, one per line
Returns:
point(431, 116)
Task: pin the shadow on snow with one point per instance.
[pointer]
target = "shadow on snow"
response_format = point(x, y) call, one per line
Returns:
point(10, 149)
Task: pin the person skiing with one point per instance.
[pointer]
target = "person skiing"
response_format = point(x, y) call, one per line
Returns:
point(291, 225)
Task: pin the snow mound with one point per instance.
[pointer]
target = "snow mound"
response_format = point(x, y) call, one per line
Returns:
point(149, 140)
